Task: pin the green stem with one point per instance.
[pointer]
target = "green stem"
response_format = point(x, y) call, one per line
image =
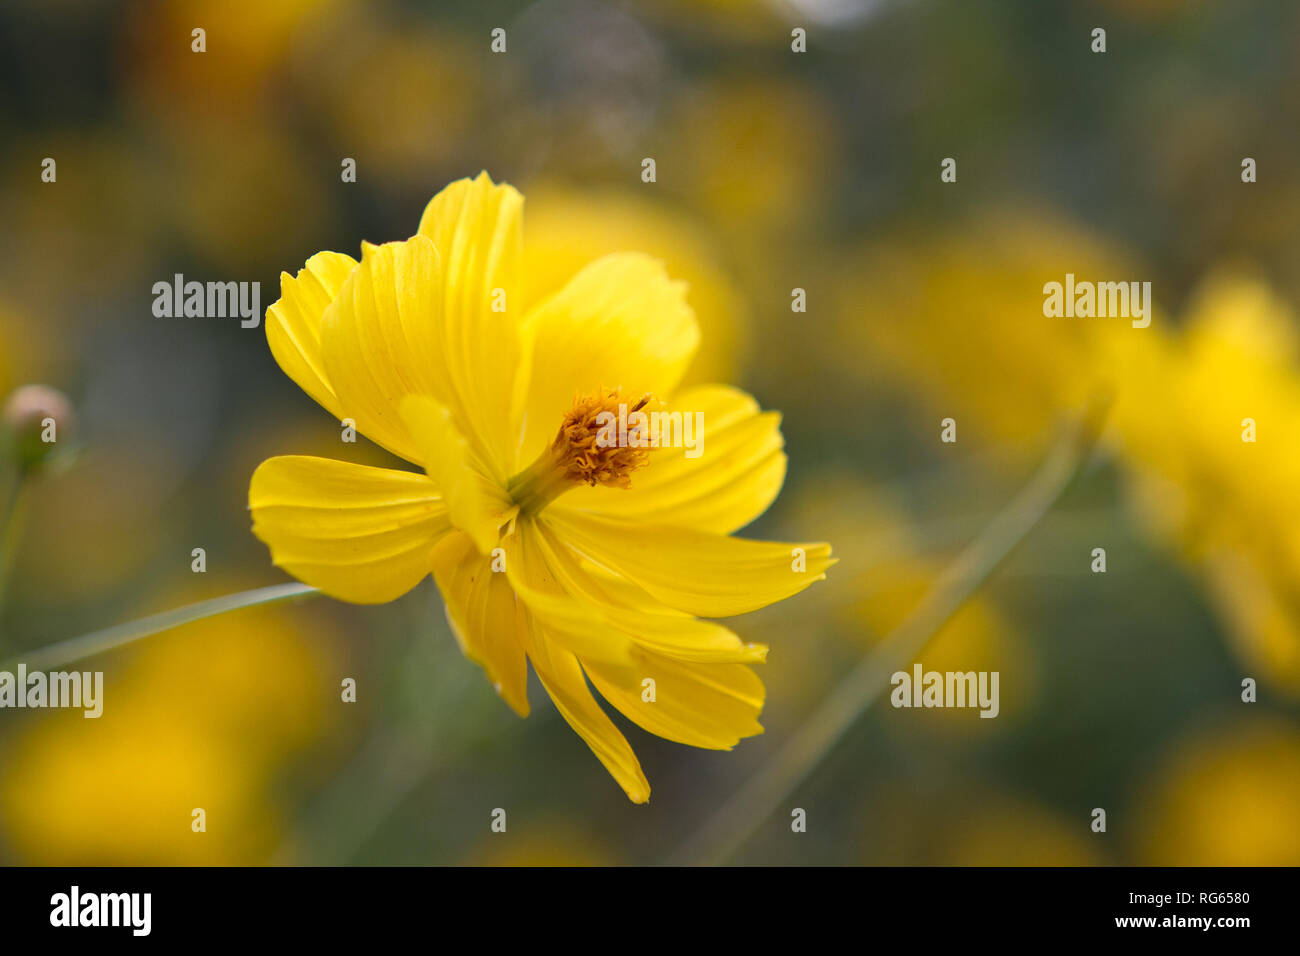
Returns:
point(10, 531)
point(54, 656)
point(735, 822)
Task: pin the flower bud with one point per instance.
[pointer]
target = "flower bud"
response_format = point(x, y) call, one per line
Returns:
point(36, 420)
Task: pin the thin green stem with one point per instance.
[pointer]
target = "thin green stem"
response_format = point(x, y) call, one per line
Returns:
point(11, 525)
point(65, 652)
point(727, 831)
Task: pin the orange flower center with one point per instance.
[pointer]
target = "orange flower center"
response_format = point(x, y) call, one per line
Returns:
point(601, 441)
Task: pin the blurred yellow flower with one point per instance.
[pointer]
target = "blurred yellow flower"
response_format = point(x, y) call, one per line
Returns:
point(959, 319)
point(567, 230)
point(1228, 798)
point(756, 152)
point(124, 792)
point(363, 55)
point(206, 718)
point(1210, 432)
point(548, 544)
point(244, 40)
point(221, 198)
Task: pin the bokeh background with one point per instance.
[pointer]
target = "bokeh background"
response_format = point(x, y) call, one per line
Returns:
point(776, 170)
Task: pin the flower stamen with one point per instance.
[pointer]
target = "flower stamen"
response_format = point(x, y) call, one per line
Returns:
point(599, 442)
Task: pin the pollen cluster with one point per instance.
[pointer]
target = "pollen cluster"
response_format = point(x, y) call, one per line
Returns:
point(595, 444)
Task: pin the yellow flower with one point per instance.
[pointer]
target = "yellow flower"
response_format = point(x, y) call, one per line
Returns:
point(547, 546)
point(976, 345)
point(567, 229)
point(210, 718)
point(757, 153)
point(1208, 432)
point(1229, 796)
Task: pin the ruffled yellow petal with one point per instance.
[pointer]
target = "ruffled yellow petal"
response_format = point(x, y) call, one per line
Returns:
point(484, 616)
point(735, 475)
point(694, 571)
point(620, 608)
point(379, 339)
point(561, 675)
point(703, 705)
point(358, 533)
point(477, 227)
point(293, 323)
point(475, 503)
point(576, 625)
point(619, 323)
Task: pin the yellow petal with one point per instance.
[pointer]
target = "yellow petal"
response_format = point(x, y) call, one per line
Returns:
point(703, 705)
point(733, 474)
point(379, 339)
point(561, 675)
point(619, 323)
point(484, 616)
point(475, 503)
point(575, 624)
point(694, 571)
point(569, 229)
point(293, 323)
point(358, 533)
point(619, 608)
point(477, 227)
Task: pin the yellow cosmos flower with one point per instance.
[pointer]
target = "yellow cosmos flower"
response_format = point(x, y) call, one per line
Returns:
point(1208, 431)
point(594, 563)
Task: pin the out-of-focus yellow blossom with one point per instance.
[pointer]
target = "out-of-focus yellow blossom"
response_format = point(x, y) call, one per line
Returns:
point(245, 40)
point(204, 718)
point(1261, 611)
point(567, 230)
point(756, 153)
point(959, 320)
point(1230, 507)
point(1228, 798)
point(355, 60)
point(550, 545)
point(1235, 359)
point(277, 668)
point(121, 791)
point(222, 196)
